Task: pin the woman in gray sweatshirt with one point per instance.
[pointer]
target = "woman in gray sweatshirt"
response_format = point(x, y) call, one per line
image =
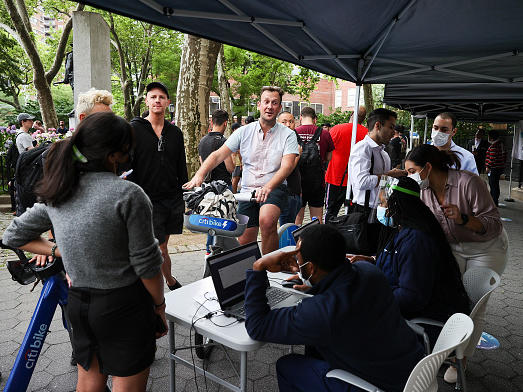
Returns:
point(104, 234)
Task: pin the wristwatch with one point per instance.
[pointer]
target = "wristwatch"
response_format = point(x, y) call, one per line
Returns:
point(465, 219)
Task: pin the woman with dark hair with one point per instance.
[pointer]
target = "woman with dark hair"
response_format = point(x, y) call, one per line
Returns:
point(415, 256)
point(103, 231)
point(463, 207)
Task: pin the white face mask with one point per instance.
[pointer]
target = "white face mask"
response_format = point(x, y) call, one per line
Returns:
point(306, 282)
point(423, 184)
point(439, 138)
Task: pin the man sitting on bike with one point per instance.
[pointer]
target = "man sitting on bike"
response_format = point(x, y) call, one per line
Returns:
point(352, 322)
point(268, 150)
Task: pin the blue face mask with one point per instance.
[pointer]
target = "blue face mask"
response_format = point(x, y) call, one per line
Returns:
point(383, 218)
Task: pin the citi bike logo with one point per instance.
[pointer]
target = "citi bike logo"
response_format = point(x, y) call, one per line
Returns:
point(36, 345)
point(216, 223)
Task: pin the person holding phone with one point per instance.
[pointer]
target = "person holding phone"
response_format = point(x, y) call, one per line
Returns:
point(104, 233)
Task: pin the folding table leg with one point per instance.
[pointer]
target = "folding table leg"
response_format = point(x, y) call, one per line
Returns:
point(243, 371)
point(172, 362)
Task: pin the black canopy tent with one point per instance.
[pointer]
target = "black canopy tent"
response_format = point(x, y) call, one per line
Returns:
point(402, 41)
point(489, 102)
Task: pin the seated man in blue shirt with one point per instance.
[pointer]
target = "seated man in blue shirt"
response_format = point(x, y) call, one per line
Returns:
point(352, 322)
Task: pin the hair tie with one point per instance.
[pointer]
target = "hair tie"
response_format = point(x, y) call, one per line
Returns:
point(78, 156)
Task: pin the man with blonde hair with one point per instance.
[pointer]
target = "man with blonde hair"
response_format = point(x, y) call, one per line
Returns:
point(93, 101)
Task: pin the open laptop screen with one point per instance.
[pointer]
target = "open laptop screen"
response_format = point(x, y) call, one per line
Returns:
point(228, 272)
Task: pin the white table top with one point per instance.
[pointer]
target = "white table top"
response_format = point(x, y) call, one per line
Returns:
point(181, 308)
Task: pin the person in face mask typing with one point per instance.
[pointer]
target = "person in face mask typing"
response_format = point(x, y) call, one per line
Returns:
point(351, 322)
point(443, 130)
point(415, 256)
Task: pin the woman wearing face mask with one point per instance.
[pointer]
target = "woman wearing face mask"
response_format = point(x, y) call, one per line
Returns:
point(416, 258)
point(463, 207)
point(103, 231)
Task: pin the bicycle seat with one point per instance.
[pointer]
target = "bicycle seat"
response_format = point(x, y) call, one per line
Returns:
point(48, 270)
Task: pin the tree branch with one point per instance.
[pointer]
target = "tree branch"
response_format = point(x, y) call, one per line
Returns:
point(60, 50)
point(11, 103)
point(22, 10)
point(61, 12)
point(12, 33)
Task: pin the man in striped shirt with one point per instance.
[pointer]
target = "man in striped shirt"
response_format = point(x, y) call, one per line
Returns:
point(495, 163)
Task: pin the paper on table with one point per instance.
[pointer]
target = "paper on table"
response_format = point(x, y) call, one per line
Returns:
point(208, 300)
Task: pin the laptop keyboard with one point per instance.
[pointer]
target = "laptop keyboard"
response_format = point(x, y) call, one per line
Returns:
point(274, 297)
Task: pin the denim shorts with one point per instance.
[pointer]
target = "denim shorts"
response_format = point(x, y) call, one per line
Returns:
point(278, 197)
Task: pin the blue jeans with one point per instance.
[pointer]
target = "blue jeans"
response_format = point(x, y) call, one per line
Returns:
point(288, 215)
point(299, 373)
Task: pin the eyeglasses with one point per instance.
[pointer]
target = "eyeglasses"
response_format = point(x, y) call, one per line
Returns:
point(160, 144)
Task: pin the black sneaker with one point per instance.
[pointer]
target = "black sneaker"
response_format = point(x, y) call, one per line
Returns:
point(175, 286)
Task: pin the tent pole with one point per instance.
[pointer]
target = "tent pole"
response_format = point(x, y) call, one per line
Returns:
point(426, 126)
point(509, 198)
point(411, 130)
point(353, 139)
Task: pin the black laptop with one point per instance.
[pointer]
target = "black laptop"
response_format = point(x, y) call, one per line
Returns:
point(228, 275)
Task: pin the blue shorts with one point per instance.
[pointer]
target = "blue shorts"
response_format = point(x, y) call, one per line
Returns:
point(278, 197)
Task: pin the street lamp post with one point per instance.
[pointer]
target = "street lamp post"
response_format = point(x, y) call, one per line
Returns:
point(171, 110)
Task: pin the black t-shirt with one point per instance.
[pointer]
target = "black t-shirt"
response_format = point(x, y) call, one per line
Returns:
point(160, 170)
point(210, 143)
point(394, 151)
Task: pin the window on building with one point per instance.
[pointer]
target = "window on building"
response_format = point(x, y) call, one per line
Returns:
point(286, 106)
point(337, 99)
point(318, 107)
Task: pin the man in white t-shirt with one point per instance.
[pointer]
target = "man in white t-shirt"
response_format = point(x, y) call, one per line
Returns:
point(443, 130)
point(24, 141)
point(268, 151)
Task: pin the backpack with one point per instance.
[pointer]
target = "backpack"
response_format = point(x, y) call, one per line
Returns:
point(29, 170)
point(12, 154)
point(310, 159)
point(212, 199)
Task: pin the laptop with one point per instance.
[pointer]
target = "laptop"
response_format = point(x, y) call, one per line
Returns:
point(228, 276)
point(296, 233)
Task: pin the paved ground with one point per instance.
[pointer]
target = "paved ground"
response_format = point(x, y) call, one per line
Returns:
point(497, 371)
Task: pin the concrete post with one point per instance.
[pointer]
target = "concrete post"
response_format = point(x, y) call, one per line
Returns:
point(91, 53)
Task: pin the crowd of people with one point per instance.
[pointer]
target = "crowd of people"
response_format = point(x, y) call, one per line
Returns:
point(431, 217)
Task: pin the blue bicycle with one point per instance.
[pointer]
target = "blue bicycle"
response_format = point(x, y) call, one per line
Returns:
point(54, 293)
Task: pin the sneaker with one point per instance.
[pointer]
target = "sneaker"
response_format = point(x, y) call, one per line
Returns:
point(451, 375)
point(175, 286)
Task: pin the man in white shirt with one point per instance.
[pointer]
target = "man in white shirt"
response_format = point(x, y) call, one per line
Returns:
point(24, 141)
point(443, 130)
point(371, 150)
point(268, 151)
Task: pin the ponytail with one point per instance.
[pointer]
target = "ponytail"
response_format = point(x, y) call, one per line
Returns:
point(439, 159)
point(98, 136)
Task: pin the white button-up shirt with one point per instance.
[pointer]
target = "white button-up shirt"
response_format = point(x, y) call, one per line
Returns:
point(261, 156)
point(466, 158)
point(360, 177)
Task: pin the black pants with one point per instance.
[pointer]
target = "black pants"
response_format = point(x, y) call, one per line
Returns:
point(334, 198)
point(493, 181)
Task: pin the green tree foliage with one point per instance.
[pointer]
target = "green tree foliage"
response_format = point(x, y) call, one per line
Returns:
point(248, 72)
point(336, 117)
point(16, 70)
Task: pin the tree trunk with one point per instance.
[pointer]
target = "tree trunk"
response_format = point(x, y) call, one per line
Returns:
point(187, 103)
point(145, 68)
point(223, 83)
point(208, 55)
point(368, 98)
point(43, 90)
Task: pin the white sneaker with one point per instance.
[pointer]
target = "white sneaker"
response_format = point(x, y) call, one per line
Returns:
point(451, 375)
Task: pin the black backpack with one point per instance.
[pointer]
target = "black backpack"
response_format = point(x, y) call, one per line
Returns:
point(310, 159)
point(29, 170)
point(12, 154)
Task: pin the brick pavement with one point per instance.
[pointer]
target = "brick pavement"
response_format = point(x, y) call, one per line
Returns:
point(497, 371)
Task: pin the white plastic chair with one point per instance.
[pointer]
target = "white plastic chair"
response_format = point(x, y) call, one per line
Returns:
point(479, 284)
point(454, 336)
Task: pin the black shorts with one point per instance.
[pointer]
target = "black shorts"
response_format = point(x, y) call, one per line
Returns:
point(278, 197)
point(313, 194)
point(116, 325)
point(167, 218)
point(237, 172)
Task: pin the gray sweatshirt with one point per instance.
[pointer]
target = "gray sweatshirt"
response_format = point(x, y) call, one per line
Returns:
point(104, 232)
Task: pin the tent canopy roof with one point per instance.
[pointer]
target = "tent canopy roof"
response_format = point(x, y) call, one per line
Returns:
point(403, 41)
point(495, 102)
